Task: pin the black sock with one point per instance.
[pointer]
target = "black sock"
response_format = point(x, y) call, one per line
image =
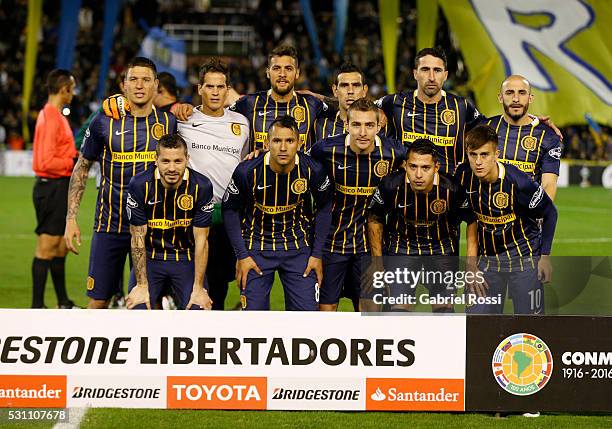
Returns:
point(39, 279)
point(58, 274)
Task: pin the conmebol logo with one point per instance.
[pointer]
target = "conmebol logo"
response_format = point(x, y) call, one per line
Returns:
point(378, 395)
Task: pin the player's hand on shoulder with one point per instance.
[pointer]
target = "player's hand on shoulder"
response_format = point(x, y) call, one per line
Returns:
point(116, 106)
point(243, 266)
point(252, 155)
point(199, 296)
point(182, 111)
point(138, 295)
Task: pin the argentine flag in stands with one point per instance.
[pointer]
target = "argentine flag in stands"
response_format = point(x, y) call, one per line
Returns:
point(167, 53)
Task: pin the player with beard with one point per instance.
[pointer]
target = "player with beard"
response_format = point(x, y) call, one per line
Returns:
point(524, 141)
point(124, 148)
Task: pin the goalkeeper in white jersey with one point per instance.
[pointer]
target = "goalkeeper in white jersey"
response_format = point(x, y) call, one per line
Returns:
point(217, 140)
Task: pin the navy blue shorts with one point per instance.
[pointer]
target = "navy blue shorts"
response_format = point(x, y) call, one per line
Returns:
point(106, 264)
point(524, 288)
point(341, 277)
point(301, 293)
point(176, 275)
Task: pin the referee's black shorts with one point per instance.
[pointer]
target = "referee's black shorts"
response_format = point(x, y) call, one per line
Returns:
point(50, 198)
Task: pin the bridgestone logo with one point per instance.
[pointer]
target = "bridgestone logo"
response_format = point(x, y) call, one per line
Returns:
point(316, 394)
point(115, 393)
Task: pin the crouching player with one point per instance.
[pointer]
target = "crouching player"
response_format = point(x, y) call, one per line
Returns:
point(507, 205)
point(418, 212)
point(263, 212)
point(170, 210)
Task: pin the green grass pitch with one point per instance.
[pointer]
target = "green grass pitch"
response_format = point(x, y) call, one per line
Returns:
point(583, 229)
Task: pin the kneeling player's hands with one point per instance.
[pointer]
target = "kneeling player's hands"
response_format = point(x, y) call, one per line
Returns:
point(544, 269)
point(200, 297)
point(315, 264)
point(243, 266)
point(182, 111)
point(477, 287)
point(138, 295)
point(116, 106)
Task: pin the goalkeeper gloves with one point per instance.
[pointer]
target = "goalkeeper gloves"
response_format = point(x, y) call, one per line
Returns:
point(116, 106)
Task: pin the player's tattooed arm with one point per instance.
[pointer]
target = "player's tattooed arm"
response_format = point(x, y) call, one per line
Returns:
point(139, 293)
point(78, 181)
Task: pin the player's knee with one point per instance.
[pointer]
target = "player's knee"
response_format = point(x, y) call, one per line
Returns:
point(97, 304)
point(328, 307)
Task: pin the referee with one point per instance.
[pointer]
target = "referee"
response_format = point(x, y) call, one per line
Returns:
point(217, 139)
point(53, 160)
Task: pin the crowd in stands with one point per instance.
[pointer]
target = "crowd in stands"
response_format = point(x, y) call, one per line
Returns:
point(275, 22)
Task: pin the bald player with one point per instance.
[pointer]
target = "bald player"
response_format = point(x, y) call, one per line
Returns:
point(524, 141)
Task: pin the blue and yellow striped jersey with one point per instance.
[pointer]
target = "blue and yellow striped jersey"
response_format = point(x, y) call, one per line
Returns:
point(272, 204)
point(170, 214)
point(355, 178)
point(260, 109)
point(533, 148)
point(419, 223)
point(444, 123)
point(506, 212)
point(124, 148)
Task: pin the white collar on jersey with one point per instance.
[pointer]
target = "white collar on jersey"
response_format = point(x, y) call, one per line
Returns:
point(414, 93)
point(347, 140)
point(501, 170)
point(270, 93)
point(185, 174)
point(267, 159)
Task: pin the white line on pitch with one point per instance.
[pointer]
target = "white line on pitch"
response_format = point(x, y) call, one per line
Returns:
point(75, 417)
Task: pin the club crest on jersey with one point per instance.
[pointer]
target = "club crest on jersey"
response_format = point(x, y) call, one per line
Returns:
point(298, 186)
point(157, 131)
point(236, 129)
point(298, 113)
point(500, 200)
point(185, 202)
point(90, 283)
point(529, 142)
point(437, 206)
point(381, 168)
point(447, 117)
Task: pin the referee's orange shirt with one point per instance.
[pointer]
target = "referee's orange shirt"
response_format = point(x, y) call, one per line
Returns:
point(54, 149)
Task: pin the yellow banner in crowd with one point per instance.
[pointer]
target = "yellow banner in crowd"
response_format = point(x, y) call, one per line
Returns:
point(33, 26)
point(388, 13)
point(563, 48)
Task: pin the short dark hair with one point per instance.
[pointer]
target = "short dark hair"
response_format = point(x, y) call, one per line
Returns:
point(349, 67)
point(141, 62)
point(57, 79)
point(423, 147)
point(168, 81)
point(479, 136)
point(284, 51)
point(363, 105)
point(171, 141)
point(214, 65)
point(434, 52)
point(285, 121)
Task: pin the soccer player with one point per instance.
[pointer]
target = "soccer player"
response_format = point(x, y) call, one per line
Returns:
point(124, 148)
point(414, 222)
point(218, 139)
point(167, 92)
point(170, 211)
point(54, 153)
point(348, 87)
point(263, 107)
point(524, 141)
point(265, 221)
point(506, 204)
point(430, 112)
point(356, 162)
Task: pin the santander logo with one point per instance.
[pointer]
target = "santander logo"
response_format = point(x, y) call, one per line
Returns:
point(378, 395)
